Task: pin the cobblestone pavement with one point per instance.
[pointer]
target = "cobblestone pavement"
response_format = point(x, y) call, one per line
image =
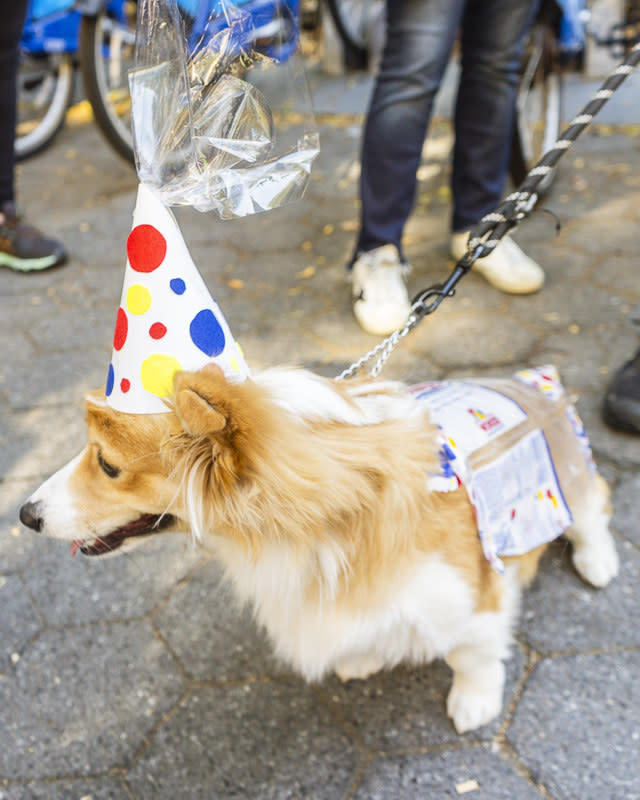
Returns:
point(134, 677)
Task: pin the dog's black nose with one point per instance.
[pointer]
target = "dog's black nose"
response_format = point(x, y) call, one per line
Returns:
point(31, 516)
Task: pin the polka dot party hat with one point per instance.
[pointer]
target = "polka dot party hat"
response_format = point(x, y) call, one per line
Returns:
point(167, 320)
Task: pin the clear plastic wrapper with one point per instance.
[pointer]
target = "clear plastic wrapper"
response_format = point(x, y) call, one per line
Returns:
point(222, 116)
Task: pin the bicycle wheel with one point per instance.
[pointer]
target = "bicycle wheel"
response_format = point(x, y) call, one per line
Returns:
point(45, 85)
point(106, 53)
point(538, 114)
point(352, 21)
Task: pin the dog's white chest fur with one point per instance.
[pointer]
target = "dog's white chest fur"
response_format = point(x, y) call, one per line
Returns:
point(418, 616)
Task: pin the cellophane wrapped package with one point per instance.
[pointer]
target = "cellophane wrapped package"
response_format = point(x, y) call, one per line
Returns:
point(222, 117)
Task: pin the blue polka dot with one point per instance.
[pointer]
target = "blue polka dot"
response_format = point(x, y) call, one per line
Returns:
point(206, 333)
point(110, 379)
point(177, 285)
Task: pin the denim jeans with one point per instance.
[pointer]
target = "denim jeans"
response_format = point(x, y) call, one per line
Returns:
point(420, 37)
point(12, 16)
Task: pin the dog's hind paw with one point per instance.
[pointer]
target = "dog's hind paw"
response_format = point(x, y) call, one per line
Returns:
point(597, 563)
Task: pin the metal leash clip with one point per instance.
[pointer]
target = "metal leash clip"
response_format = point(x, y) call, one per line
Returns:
point(423, 304)
point(420, 307)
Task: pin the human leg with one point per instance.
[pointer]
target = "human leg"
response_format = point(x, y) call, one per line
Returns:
point(22, 246)
point(492, 41)
point(12, 16)
point(420, 35)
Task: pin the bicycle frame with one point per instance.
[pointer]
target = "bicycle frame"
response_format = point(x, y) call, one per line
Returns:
point(59, 35)
point(575, 28)
point(571, 36)
point(275, 24)
point(53, 26)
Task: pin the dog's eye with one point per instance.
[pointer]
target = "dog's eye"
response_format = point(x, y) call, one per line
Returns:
point(108, 469)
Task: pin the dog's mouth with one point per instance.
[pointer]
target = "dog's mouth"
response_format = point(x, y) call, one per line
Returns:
point(145, 525)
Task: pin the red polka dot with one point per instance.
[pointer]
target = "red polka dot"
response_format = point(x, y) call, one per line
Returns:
point(146, 248)
point(157, 330)
point(122, 328)
point(125, 385)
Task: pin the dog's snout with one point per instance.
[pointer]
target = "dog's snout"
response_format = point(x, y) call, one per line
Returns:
point(31, 516)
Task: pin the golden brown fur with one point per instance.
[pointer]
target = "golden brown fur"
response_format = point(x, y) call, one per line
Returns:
point(315, 497)
point(261, 474)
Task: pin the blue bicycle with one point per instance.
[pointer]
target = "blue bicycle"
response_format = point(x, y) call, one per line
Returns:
point(54, 35)
point(556, 43)
point(99, 36)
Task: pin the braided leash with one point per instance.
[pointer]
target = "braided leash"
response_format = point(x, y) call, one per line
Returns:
point(486, 235)
point(491, 228)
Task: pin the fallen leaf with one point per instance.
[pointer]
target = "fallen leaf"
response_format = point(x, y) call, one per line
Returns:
point(467, 786)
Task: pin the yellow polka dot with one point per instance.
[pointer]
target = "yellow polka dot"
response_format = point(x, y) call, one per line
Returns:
point(235, 366)
point(240, 350)
point(138, 299)
point(156, 374)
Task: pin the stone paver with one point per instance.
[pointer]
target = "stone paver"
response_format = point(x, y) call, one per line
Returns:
point(81, 700)
point(561, 613)
point(624, 507)
point(562, 727)
point(235, 648)
point(99, 789)
point(137, 677)
point(452, 773)
point(297, 750)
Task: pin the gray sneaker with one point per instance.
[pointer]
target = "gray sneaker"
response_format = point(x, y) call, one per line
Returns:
point(380, 300)
point(23, 247)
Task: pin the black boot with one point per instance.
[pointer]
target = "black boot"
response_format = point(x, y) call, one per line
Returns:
point(23, 247)
point(621, 409)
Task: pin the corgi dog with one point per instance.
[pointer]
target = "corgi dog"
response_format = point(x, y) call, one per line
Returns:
point(317, 497)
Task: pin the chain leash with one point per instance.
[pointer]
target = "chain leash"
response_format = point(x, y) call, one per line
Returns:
point(486, 235)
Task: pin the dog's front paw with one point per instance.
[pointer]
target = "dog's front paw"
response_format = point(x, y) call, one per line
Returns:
point(476, 694)
point(358, 668)
point(597, 563)
point(469, 708)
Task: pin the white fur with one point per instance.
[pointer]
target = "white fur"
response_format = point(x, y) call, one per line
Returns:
point(57, 502)
point(475, 697)
point(594, 551)
point(306, 395)
point(423, 611)
point(424, 614)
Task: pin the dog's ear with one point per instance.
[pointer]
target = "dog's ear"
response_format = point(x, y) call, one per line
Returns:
point(196, 395)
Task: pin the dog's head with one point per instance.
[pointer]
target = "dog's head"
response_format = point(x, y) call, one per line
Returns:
point(129, 481)
point(286, 456)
